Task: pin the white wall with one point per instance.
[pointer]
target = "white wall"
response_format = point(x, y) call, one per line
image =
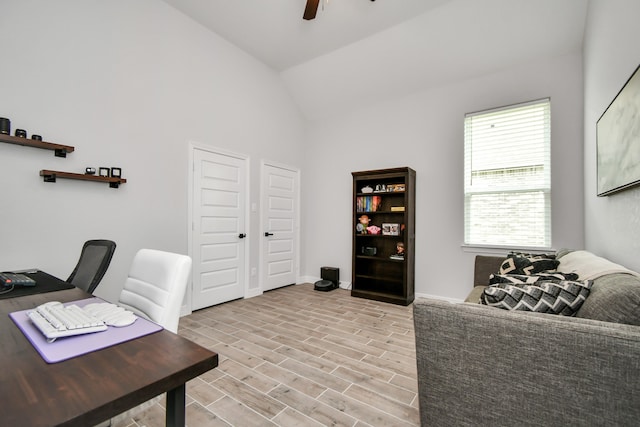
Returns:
point(129, 84)
point(425, 131)
point(611, 54)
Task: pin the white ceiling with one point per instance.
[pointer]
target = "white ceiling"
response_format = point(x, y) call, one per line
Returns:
point(357, 51)
point(274, 31)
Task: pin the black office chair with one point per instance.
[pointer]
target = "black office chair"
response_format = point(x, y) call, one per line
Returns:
point(93, 263)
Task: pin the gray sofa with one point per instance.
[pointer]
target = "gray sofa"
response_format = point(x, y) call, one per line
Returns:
point(485, 366)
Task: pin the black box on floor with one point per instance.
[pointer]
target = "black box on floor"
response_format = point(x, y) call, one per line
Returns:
point(330, 279)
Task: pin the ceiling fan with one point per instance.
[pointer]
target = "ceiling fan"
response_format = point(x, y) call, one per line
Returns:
point(311, 9)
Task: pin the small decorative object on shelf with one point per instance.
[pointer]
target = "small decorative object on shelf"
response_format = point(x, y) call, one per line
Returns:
point(383, 266)
point(395, 187)
point(399, 255)
point(363, 224)
point(116, 172)
point(21, 133)
point(104, 172)
point(90, 171)
point(369, 251)
point(36, 137)
point(391, 229)
point(373, 229)
point(5, 126)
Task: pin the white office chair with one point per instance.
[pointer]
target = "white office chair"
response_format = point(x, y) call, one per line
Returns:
point(154, 290)
point(156, 286)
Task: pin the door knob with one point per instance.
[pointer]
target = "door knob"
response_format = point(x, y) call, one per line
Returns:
point(242, 235)
point(267, 234)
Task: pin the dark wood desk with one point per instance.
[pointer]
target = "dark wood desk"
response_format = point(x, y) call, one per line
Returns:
point(89, 389)
point(44, 283)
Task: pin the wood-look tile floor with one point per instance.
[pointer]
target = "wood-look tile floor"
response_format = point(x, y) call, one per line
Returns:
point(298, 357)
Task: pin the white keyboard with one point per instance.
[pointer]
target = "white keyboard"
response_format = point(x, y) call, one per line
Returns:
point(55, 320)
point(110, 314)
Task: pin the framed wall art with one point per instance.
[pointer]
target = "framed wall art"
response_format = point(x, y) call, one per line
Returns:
point(618, 140)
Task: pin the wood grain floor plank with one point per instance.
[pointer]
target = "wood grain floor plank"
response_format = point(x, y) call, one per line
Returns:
point(386, 389)
point(315, 409)
point(316, 375)
point(383, 403)
point(235, 414)
point(292, 418)
point(203, 393)
point(249, 376)
point(298, 357)
point(248, 396)
point(365, 412)
point(291, 379)
point(340, 346)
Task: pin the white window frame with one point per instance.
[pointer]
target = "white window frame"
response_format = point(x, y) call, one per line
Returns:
point(522, 182)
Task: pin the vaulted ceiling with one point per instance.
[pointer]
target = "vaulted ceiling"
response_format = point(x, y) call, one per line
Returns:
point(359, 51)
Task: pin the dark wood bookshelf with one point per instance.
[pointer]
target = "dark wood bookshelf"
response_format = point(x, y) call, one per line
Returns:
point(377, 276)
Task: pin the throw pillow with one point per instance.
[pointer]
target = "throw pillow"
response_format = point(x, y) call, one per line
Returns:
point(533, 256)
point(515, 264)
point(564, 297)
point(523, 278)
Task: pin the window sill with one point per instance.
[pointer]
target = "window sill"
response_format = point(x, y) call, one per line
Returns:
point(501, 250)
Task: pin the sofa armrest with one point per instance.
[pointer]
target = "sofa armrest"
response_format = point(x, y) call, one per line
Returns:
point(480, 365)
point(483, 267)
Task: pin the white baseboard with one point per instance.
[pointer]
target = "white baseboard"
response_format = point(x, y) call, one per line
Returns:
point(184, 310)
point(253, 293)
point(307, 279)
point(453, 300)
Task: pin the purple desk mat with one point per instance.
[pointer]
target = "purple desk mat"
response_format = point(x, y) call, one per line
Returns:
point(70, 347)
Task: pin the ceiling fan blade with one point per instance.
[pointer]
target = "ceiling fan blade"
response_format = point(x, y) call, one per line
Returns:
point(311, 9)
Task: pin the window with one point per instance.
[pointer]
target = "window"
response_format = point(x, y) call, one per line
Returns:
point(507, 176)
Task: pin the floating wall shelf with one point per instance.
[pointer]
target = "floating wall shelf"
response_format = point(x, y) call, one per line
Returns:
point(60, 150)
point(50, 176)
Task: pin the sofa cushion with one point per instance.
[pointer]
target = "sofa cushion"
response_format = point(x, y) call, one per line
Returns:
point(554, 297)
point(523, 278)
point(613, 298)
point(474, 295)
point(515, 264)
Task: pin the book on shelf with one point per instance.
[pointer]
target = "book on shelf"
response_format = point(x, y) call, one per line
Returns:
point(397, 257)
point(368, 203)
point(397, 208)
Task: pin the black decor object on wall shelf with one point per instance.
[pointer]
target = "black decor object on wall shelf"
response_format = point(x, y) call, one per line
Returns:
point(5, 126)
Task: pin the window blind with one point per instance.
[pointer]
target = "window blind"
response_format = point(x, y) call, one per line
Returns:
point(507, 176)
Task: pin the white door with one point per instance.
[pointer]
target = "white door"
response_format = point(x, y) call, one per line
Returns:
point(218, 228)
point(280, 200)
